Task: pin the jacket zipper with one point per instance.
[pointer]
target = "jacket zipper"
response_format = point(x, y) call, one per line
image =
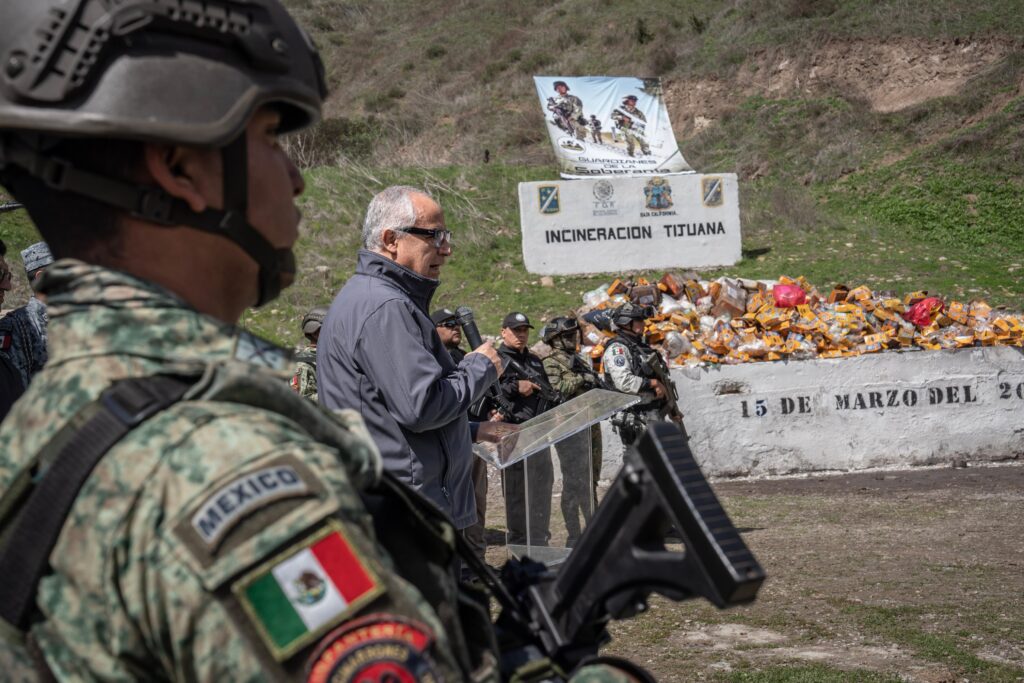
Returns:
point(444, 472)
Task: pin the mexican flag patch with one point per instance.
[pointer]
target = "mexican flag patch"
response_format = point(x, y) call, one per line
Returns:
point(306, 590)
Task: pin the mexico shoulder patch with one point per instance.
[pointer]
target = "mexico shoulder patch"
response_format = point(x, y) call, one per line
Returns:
point(308, 589)
point(380, 647)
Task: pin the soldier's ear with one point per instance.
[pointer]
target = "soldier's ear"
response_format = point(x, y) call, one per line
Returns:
point(190, 174)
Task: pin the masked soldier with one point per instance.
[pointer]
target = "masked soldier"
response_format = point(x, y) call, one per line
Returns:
point(629, 366)
point(304, 379)
point(571, 377)
point(169, 509)
point(630, 121)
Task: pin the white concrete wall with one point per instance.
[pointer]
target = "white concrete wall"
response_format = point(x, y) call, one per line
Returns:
point(880, 410)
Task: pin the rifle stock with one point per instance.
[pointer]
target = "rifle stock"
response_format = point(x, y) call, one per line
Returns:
point(621, 558)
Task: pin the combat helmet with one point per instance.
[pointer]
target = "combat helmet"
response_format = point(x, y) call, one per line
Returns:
point(628, 312)
point(165, 71)
point(313, 320)
point(556, 327)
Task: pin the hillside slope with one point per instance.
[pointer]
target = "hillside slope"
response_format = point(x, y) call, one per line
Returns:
point(877, 141)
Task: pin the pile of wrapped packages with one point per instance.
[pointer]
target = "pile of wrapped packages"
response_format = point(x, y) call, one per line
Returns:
point(734, 320)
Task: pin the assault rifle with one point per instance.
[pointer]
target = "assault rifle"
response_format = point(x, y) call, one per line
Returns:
point(582, 367)
point(472, 332)
point(10, 206)
point(549, 397)
point(655, 365)
point(561, 116)
point(621, 559)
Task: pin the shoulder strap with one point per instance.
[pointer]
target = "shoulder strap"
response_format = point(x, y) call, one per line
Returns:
point(25, 557)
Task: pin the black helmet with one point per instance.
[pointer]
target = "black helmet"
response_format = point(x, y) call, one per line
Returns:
point(557, 327)
point(628, 312)
point(313, 320)
point(555, 85)
point(160, 71)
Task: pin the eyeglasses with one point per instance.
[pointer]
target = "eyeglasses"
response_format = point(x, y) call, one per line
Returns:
point(450, 324)
point(440, 235)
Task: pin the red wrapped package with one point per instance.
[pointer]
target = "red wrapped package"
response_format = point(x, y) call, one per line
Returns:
point(924, 311)
point(788, 296)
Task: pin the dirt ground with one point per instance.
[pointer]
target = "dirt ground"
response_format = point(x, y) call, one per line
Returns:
point(916, 575)
point(881, 576)
point(889, 76)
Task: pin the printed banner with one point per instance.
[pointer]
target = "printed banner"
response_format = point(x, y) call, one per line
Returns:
point(609, 126)
point(604, 225)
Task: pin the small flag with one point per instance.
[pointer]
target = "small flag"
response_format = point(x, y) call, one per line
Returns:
point(310, 588)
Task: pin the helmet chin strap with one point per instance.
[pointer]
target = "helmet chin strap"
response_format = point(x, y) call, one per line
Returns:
point(155, 205)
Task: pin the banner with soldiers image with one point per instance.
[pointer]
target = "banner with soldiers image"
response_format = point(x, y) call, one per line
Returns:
point(609, 126)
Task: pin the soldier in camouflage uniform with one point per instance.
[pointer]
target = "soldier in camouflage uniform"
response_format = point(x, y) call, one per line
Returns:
point(571, 109)
point(229, 530)
point(23, 330)
point(304, 379)
point(631, 123)
point(570, 376)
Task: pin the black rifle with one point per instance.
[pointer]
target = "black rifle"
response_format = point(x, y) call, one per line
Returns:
point(550, 397)
point(622, 558)
point(10, 206)
point(582, 367)
point(654, 364)
point(494, 395)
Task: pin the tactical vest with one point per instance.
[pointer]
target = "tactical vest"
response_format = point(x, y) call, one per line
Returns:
point(417, 536)
point(637, 353)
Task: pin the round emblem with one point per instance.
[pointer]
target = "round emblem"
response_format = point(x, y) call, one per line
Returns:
point(603, 190)
point(521, 318)
point(380, 648)
point(620, 361)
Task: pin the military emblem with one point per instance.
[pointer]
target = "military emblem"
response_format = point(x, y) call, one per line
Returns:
point(380, 647)
point(603, 190)
point(658, 194)
point(548, 196)
point(711, 189)
point(309, 588)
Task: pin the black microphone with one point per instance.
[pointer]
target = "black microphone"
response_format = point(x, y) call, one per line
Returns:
point(469, 328)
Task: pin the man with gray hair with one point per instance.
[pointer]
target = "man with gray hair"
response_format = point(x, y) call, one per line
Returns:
point(379, 354)
point(23, 330)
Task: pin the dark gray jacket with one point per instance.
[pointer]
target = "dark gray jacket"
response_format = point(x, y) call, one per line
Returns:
point(379, 354)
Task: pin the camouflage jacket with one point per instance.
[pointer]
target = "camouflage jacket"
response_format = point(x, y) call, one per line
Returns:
point(202, 514)
point(304, 380)
point(23, 338)
point(563, 378)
